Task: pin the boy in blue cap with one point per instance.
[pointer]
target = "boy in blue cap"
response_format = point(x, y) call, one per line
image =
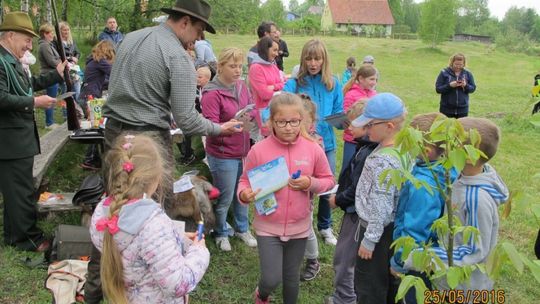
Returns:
point(375, 202)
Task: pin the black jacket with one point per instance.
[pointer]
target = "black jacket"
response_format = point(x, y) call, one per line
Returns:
point(454, 101)
point(350, 176)
point(279, 59)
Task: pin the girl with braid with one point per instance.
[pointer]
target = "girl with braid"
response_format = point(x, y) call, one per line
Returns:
point(144, 257)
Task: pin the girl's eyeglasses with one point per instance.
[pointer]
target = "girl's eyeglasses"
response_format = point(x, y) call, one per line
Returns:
point(371, 124)
point(283, 123)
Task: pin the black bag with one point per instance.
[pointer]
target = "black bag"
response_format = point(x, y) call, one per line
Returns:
point(90, 191)
point(70, 242)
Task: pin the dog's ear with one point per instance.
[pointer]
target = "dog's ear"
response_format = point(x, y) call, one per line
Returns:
point(184, 204)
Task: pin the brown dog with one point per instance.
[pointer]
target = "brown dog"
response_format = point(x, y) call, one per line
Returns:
point(190, 205)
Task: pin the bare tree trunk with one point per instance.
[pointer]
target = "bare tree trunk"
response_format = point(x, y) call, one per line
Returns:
point(25, 5)
point(64, 10)
point(1, 11)
point(48, 15)
point(96, 18)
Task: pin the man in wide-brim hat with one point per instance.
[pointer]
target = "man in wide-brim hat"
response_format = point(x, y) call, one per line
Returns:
point(18, 132)
point(153, 77)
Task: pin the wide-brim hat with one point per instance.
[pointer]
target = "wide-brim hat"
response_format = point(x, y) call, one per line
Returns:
point(199, 9)
point(18, 22)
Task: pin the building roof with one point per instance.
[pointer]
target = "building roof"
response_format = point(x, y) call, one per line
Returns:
point(315, 10)
point(361, 11)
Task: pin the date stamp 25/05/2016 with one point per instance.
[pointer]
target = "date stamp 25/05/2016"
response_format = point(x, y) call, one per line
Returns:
point(464, 296)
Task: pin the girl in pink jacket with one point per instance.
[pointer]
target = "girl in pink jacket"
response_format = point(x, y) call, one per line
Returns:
point(264, 77)
point(282, 235)
point(361, 86)
point(144, 258)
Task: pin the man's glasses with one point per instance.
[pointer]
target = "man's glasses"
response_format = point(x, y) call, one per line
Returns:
point(283, 123)
point(371, 124)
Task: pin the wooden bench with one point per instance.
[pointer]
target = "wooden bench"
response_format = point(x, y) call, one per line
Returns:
point(51, 143)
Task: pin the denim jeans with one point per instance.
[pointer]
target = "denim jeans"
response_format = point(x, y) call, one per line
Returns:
point(348, 153)
point(225, 175)
point(52, 91)
point(324, 216)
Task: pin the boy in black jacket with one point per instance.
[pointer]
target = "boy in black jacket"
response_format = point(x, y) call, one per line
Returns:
point(347, 245)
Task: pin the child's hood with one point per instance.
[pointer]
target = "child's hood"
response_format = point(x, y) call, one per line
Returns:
point(133, 216)
point(490, 181)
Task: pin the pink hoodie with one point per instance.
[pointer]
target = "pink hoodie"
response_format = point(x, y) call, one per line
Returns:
point(293, 214)
point(354, 94)
point(261, 75)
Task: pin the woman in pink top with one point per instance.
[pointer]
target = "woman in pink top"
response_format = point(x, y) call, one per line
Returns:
point(264, 76)
point(282, 235)
point(361, 86)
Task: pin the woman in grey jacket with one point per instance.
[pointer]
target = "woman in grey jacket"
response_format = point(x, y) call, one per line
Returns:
point(48, 60)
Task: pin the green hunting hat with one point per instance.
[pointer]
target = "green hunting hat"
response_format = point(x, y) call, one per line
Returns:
point(199, 9)
point(18, 22)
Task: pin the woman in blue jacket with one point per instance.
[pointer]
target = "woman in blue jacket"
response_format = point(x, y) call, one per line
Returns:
point(316, 80)
point(454, 84)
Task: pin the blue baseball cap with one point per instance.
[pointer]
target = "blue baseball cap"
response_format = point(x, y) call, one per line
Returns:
point(384, 106)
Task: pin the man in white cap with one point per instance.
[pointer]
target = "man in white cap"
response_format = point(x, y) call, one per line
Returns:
point(18, 132)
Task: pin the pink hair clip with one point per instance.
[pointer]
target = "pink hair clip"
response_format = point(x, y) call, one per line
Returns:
point(128, 166)
point(127, 146)
point(111, 224)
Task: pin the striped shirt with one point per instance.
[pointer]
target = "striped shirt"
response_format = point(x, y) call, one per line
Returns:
point(152, 78)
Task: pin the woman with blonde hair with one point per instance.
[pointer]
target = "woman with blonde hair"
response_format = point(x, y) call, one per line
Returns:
point(455, 83)
point(221, 99)
point(72, 56)
point(48, 60)
point(316, 80)
point(145, 258)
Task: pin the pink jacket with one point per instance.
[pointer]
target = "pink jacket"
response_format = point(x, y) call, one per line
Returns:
point(159, 265)
point(220, 105)
point(261, 75)
point(351, 97)
point(293, 214)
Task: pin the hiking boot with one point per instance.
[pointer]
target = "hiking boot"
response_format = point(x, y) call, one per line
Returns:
point(328, 236)
point(258, 300)
point(223, 243)
point(311, 270)
point(247, 238)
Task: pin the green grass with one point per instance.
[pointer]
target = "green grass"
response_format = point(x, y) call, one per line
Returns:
point(408, 69)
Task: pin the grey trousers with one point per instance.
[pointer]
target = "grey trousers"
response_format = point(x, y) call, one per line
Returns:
point(345, 260)
point(280, 263)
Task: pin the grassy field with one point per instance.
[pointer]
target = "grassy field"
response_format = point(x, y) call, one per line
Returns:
point(408, 69)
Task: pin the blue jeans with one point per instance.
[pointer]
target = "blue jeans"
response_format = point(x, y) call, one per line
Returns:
point(52, 91)
point(226, 173)
point(348, 153)
point(324, 216)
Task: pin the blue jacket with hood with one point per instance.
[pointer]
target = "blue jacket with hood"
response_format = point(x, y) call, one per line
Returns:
point(454, 101)
point(328, 102)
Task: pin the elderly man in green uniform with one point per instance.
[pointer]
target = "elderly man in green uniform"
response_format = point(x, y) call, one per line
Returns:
point(18, 132)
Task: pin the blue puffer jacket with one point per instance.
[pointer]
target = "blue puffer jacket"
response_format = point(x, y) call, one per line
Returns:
point(417, 209)
point(454, 101)
point(328, 103)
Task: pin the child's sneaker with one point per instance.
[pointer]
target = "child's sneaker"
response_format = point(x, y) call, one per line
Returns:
point(328, 236)
point(223, 243)
point(311, 270)
point(258, 300)
point(247, 238)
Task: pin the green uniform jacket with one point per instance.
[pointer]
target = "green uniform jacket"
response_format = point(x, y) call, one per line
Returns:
point(18, 130)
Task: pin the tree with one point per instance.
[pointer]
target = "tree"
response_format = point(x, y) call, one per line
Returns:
point(472, 15)
point(397, 12)
point(273, 10)
point(438, 21)
point(411, 14)
point(293, 6)
point(459, 147)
